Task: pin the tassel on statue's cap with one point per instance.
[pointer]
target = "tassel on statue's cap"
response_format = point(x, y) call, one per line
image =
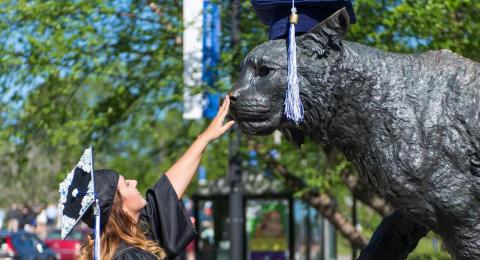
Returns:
point(293, 103)
point(291, 18)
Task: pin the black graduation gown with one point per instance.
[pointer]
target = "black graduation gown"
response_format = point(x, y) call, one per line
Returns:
point(166, 222)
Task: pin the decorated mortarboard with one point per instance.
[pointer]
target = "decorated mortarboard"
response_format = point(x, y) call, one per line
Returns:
point(86, 194)
point(290, 18)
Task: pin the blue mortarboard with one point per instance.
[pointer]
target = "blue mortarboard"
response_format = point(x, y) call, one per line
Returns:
point(290, 18)
point(275, 14)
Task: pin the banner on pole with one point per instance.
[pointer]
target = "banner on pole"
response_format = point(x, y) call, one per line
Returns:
point(211, 55)
point(201, 54)
point(192, 58)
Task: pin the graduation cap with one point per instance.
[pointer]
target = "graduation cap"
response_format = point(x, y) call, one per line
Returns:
point(290, 18)
point(276, 13)
point(86, 194)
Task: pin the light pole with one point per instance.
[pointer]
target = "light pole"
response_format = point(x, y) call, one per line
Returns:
point(236, 212)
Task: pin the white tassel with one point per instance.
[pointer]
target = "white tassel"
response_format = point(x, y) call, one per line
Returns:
point(96, 213)
point(293, 103)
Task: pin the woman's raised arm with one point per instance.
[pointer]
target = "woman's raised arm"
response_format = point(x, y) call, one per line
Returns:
point(181, 173)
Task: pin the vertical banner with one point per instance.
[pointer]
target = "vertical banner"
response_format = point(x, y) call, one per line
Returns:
point(211, 55)
point(192, 58)
point(201, 54)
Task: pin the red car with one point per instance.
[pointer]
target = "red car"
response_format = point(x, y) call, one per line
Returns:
point(68, 248)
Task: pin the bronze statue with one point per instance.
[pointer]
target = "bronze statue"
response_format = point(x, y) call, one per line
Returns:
point(409, 123)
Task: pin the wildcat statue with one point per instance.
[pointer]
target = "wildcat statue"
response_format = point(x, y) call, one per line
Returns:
point(409, 123)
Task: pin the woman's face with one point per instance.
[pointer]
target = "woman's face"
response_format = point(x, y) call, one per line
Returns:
point(133, 201)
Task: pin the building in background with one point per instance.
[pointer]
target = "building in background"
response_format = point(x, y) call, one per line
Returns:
point(277, 226)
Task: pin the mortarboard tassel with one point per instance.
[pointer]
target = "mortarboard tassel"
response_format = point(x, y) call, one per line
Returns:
point(96, 214)
point(96, 210)
point(293, 103)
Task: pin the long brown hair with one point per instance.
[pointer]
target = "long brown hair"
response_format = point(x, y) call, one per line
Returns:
point(121, 227)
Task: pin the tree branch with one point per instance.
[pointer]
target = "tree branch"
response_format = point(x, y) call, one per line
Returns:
point(365, 194)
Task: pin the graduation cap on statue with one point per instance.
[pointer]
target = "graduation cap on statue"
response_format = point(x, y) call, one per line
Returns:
point(290, 18)
point(87, 195)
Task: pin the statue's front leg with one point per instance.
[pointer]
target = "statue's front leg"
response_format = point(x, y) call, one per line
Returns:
point(393, 239)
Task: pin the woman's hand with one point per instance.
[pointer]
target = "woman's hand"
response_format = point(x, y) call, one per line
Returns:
point(181, 173)
point(216, 127)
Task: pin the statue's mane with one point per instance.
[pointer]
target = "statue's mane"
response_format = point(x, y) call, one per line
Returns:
point(323, 39)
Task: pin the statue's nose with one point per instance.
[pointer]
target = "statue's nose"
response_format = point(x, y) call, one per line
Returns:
point(233, 95)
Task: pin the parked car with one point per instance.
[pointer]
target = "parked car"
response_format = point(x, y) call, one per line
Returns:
point(68, 249)
point(25, 246)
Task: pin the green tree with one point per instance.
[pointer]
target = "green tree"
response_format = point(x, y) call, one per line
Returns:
point(105, 74)
point(90, 72)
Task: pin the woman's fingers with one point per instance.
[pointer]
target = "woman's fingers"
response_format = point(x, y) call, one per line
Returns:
point(228, 125)
point(227, 101)
point(222, 107)
point(223, 110)
point(216, 127)
point(225, 106)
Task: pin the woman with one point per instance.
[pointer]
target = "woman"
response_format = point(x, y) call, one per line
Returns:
point(155, 227)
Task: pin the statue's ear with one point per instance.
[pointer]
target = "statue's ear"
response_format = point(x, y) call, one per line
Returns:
point(328, 34)
point(337, 23)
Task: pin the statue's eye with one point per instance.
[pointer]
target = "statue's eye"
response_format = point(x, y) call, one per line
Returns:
point(263, 71)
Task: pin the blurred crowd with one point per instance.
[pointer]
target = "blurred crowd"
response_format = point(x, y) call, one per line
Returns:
point(38, 219)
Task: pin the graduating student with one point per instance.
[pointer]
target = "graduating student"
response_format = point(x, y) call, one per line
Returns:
point(133, 227)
